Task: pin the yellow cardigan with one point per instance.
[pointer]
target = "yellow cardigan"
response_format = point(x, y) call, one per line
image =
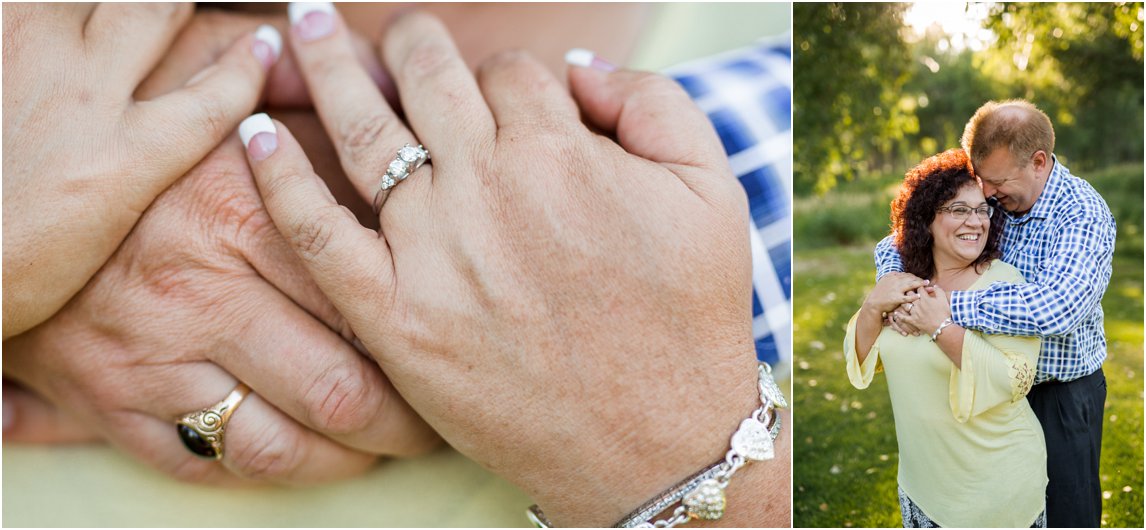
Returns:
point(971, 451)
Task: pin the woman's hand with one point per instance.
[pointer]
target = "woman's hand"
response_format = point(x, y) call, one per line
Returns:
point(572, 313)
point(928, 311)
point(83, 158)
point(892, 290)
point(205, 293)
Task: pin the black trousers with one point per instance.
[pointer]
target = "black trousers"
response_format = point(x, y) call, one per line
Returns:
point(1071, 415)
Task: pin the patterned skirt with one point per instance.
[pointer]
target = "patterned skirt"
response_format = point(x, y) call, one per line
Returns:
point(913, 517)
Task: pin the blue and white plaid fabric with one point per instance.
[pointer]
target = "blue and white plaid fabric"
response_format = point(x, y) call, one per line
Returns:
point(1064, 247)
point(747, 94)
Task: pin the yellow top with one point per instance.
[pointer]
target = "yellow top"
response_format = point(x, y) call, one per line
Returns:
point(971, 451)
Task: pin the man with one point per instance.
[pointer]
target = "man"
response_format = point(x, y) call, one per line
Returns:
point(1060, 234)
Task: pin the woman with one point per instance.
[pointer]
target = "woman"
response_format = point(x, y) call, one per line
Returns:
point(971, 449)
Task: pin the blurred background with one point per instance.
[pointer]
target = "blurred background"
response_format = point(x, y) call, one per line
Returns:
point(86, 486)
point(878, 87)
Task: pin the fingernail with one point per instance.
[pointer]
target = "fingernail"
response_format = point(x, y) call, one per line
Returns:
point(258, 135)
point(267, 46)
point(311, 20)
point(588, 59)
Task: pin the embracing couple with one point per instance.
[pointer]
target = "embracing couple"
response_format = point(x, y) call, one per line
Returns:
point(989, 291)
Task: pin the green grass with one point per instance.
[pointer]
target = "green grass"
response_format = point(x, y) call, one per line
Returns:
point(845, 451)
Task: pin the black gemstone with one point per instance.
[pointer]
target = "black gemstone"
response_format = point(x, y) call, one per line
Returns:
point(196, 443)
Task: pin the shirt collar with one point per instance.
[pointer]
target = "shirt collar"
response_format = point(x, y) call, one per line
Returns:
point(1050, 195)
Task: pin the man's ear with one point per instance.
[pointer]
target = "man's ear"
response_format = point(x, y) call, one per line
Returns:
point(1040, 160)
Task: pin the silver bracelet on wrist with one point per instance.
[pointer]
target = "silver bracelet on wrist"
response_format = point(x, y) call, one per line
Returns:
point(701, 496)
point(939, 330)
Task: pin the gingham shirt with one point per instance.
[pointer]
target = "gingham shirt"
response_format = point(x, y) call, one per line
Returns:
point(747, 94)
point(1063, 246)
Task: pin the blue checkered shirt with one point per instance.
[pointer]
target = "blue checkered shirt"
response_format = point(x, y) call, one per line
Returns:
point(747, 94)
point(1063, 246)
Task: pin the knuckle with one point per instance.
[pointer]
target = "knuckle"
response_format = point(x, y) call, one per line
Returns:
point(214, 118)
point(342, 401)
point(273, 455)
point(361, 137)
point(648, 84)
point(426, 59)
point(311, 237)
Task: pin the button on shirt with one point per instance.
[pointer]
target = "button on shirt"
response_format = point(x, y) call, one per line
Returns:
point(747, 94)
point(1064, 247)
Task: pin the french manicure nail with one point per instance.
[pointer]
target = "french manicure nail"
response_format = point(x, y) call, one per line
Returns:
point(267, 46)
point(259, 136)
point(311, 20)
point(588, 59)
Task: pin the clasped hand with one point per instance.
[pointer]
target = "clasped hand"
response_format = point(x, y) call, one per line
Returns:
point(548, 299)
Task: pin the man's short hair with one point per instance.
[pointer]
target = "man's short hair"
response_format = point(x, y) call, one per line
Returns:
point(1015, 124)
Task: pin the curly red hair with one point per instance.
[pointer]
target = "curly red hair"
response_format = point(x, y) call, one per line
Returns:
point(926, 187)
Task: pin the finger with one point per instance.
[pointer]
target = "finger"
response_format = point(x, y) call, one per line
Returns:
point(260, 443)
point(364, 129)
point(651, 115)
point(29, 418)
point(350, 263)
point(893, 320)
point(326, 385)
point(441, 99)
point(522, 92)
point(174, 132)
point(131, 38)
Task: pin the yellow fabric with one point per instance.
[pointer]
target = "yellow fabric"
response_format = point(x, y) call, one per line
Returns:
point(971, 451)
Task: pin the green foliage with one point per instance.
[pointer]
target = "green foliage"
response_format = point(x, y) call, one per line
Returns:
point(1083, 63)
point(870, 99)
point(850, 66)
point(845, 455)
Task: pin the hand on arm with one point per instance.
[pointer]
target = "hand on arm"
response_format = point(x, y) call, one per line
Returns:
point(891, 291)
point(929, 311)
point(1059, 297)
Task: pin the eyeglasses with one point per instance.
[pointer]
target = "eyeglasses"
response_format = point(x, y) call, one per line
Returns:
point(963, 212)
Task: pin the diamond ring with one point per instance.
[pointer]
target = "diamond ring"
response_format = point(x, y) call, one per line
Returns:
point(407, 161)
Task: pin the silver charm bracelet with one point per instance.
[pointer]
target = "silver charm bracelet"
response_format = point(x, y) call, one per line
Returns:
point(701, 496)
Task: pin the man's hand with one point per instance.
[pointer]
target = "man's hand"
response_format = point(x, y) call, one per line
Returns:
point(203, 294)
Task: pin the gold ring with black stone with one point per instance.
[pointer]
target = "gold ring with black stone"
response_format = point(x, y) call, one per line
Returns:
point(202, 430)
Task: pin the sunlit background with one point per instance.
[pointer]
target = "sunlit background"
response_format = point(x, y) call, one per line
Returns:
point(878, 87)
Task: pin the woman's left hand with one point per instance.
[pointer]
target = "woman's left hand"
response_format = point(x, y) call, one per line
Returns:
point(83, 157)
point(572, 313)
point(928, 312)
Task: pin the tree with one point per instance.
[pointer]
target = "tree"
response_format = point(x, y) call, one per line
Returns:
point(849, 68)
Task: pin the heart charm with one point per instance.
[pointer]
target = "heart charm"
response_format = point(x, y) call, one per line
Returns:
point(769, 389)
point(706, 501)
point(753, 441)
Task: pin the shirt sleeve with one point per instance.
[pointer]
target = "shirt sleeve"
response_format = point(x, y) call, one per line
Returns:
point(860, 374)
point(996, 369)
point(887, 258)
point(1065, 289)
